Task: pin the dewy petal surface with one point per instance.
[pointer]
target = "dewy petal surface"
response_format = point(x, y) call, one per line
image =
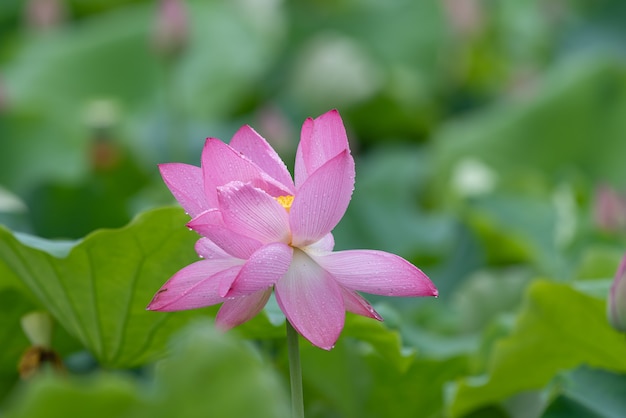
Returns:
point(356, 304)
point(210, 225)
point(249, 211)
point(323, 246)
point(322, 200)
point(264, 268)
point(195, 286)
point(312, 301)
point(221, 164)
point(321, 139)
point(247, 141)
point(376, 272)
point(209, 250)
point(238, 310)
point(186, 184)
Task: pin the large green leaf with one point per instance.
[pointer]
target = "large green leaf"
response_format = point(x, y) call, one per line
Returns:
point(517, 228)
point(106, 395)
point(385, 342)
point(207, 374)
point(371, 374)
point(98, 291)
point(599, 261)
point(558, 328)
point(354, 380)
point(487, 293)
point(213, 374)
point(589, 393)
point(417, 393)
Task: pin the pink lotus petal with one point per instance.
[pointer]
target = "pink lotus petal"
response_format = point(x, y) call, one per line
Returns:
point(247, 141)
point(264, 268)
point(238, 310)
point(221, 164)
point(251, 212)
point(356, 304)
point(185, 183)
point(301, 172)
point(210, 225)
point(376, 272)
point(209, 250)
point(312, 301)
point(195, 286)
point(321, 140)
point(323, 246)
point(322, 200)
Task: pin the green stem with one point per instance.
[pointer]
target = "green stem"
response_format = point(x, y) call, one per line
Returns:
point(295, 372)
point(175, 118)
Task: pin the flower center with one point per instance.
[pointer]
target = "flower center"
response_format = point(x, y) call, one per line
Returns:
point(285, 201)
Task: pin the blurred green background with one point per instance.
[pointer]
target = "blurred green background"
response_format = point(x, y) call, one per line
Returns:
point(490, 147)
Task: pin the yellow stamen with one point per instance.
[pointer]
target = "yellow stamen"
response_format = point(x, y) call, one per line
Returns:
point(285, 201)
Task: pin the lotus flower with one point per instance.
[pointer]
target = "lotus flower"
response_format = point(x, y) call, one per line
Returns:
point(263, 231)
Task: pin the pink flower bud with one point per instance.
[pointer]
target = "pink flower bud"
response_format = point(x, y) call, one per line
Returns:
point(171, 28)
point(43, 15)
point(616, 304)
point(465, 16)
point(609, 209)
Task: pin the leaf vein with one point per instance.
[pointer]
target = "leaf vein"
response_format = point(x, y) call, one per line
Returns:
point(127, 314)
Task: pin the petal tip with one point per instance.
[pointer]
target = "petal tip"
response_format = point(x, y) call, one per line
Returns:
point(165, 166)
point(332, 112)
point(434, 290)
point(157, 303)
point(225, 289)
point(222, 325)
point(324, 345)
point(153, 305)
